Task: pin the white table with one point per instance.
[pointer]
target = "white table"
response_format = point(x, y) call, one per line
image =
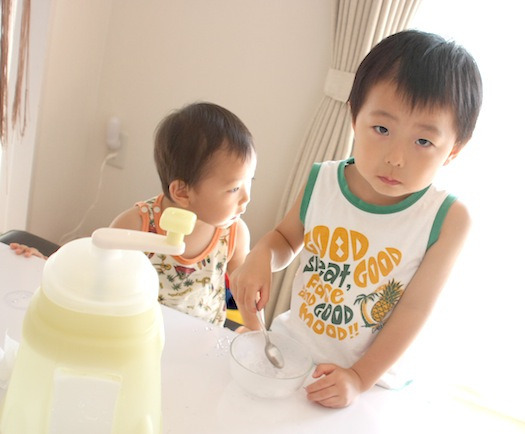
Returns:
point(200, 397)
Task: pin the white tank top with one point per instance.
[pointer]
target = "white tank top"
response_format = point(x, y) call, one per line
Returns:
point(356, 262)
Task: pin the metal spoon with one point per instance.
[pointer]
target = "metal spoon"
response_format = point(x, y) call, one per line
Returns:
point(272, 352)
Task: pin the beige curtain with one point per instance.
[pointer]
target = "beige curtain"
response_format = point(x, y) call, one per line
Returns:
point(19, 100)
point(4, 56)
point(358, 26)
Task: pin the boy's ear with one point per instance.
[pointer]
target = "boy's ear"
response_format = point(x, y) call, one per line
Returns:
point(179, 192)
point(454, 153)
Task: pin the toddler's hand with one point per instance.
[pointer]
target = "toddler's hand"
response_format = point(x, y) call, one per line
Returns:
point(336, 388)
point(22, 249)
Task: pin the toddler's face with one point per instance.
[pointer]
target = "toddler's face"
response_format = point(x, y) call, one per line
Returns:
point(398, 150)
point(223, 193)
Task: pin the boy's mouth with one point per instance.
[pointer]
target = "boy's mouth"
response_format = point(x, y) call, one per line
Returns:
point(389, 181)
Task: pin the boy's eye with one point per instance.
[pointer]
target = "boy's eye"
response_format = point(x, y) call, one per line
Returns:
point(233, 190)
point(424, 142)
point(381, 130)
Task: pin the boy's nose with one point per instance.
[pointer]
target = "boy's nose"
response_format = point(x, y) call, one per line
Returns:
point(394, 156)
point(245, 197)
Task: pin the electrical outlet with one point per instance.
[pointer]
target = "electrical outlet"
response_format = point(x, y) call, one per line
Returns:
point(118, 160)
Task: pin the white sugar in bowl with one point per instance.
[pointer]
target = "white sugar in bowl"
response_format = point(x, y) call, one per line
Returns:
point(254, 373)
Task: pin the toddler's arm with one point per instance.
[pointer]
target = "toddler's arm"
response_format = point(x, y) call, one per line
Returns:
point(129, 219)
point(22, 249)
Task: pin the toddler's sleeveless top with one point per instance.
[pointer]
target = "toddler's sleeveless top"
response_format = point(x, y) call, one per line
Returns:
point(195, 286)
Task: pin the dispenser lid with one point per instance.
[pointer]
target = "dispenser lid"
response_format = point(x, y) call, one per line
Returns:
point(83, 277)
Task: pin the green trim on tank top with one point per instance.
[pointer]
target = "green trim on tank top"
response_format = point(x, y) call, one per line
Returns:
point(312, 177)
point(367, 207)
point(440, 218)
point(376, 209)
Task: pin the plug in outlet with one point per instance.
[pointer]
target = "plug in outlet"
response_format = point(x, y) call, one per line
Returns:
point(118, 160)
point(115, 142)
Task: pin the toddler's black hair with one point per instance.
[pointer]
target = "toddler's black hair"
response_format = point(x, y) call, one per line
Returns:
point(186, 140)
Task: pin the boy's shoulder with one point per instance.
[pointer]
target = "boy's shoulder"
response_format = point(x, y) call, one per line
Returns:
point(326, 166)
point(459, 214)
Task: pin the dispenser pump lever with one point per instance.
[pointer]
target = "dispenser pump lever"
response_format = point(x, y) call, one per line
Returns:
point(176, 222)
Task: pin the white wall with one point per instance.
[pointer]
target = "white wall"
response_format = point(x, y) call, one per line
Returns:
point(263, 59)
point(64, 167)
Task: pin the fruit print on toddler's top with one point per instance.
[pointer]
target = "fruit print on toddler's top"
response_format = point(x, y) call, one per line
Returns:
point(195, 286)
point(356, 263)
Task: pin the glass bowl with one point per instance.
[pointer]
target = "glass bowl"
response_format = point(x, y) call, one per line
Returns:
point(254, 373)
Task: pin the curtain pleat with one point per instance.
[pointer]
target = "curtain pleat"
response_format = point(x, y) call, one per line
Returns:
point(19, 100)
point(4, 57)
point(358, 25)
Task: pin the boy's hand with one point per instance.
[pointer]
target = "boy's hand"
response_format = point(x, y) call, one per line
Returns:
point(337, 387)
point(250, 283)
point(22, 249)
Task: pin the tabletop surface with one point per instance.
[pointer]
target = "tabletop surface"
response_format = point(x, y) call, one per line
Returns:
point(200, 396)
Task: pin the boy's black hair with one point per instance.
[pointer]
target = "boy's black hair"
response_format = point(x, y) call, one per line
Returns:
point(186, 140)
point(429, 71)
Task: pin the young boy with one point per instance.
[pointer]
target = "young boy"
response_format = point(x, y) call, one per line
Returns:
point(376, 239)
point(206, 161)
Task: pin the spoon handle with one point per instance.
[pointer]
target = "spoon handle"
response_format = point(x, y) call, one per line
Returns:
point(260, 317)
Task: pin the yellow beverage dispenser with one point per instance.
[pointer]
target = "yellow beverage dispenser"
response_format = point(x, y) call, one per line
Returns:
point(90, 357)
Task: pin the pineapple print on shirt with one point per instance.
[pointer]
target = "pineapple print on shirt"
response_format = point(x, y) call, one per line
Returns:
point(340, 266)
point(387, 296)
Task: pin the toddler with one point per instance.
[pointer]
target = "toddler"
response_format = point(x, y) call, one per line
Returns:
point(206, 161)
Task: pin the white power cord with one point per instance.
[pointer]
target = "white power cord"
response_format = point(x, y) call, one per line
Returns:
point(66, 236)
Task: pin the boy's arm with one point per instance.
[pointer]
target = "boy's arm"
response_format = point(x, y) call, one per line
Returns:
point(415, 305)
point(251, 282)
point(409, 315)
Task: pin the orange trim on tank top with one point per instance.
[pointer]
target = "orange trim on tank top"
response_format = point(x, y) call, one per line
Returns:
point(206, 251)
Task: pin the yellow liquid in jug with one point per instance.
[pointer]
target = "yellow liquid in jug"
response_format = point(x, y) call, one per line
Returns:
point(83, 373)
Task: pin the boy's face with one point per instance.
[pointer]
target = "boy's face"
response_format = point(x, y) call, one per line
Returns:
point(223, 193)
point(398, 150)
